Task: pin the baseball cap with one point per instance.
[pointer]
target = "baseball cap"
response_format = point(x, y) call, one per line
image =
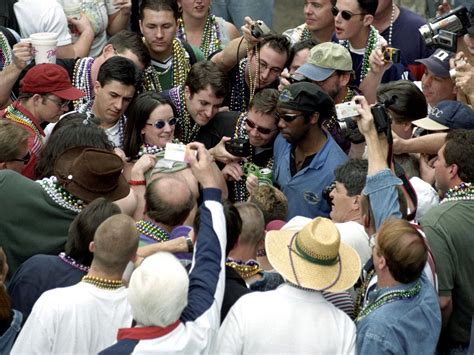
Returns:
point(447, 114)
point(325, 59)
point(438, 63)
point(306, 97)
point(49, 79)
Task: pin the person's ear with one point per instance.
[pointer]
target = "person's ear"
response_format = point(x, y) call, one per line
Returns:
point(92, 247)
point(368, 19)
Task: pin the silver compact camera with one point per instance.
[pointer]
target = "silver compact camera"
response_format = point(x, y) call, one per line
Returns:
point(259, 28)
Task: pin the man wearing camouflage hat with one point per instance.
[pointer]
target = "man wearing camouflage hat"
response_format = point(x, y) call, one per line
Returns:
point(305, 156)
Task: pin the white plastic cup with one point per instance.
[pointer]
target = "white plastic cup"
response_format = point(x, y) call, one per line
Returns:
point(72, 10)
point(44, 47)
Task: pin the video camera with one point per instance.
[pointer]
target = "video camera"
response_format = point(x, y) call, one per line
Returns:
point(348, 127)
point(443, 31)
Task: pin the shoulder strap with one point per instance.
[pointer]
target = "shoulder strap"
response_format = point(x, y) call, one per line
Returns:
point(189, 49)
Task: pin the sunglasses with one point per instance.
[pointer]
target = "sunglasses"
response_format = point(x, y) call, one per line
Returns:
point(288, 117)
point(261, 130)
point(24, 160)
point(160, 123)
point(346, 15)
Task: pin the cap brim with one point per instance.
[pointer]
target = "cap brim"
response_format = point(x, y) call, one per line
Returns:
point(311, 275)
point(429, 124)
point(314, 73)
point(433, 66)
point(69, 94)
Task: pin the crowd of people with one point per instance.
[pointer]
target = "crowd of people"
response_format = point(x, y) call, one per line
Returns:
point(184, 179)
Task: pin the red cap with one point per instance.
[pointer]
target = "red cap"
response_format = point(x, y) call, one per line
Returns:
point(49, 79)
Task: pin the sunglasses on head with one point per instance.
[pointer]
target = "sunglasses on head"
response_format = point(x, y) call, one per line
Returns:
point(160, 123)
point(261, 130)
point(346, 15)
point(24, 160)
point(288, 117)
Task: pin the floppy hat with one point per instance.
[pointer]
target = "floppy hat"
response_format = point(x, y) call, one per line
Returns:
point(305, 97)
point(325, 59)
point(314, 257)
point(438, 63)
point(89, 173)
point(49, 79)
point(447, 114)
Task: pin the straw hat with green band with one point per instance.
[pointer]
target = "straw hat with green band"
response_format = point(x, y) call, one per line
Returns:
point(314, 257)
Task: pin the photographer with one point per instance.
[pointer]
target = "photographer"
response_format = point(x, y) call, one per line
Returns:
point(382, 322)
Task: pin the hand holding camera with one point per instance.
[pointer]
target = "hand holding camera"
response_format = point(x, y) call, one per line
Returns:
point(202, 165)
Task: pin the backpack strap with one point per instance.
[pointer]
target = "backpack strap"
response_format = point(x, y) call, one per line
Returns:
point(189, 49)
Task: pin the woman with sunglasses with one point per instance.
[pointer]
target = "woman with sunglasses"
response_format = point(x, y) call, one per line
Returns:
point(200, 28)
point(150, 125)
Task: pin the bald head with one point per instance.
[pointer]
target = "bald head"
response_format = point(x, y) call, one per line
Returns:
point(253, 224)
point(115, 243)
point(169, 201)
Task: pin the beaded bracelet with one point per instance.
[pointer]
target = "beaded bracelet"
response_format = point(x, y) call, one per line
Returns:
point(136, 182)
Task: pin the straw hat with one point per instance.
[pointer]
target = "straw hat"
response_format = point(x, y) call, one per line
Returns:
point(314, 257)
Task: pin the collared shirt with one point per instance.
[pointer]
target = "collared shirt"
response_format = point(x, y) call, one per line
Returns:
point(304, 189)
point(409, 326)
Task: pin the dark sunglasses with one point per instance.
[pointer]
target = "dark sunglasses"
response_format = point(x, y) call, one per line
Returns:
point(288, 117)
point(24, 160)
point(160, 123)
point(346, 15)
point(262, 130)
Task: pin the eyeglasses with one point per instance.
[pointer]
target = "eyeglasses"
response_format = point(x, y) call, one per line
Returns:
point(288, 117)
point(160, 123)
point(346, 15)
point(261, 130)
point(61, 104)
point(24, 160)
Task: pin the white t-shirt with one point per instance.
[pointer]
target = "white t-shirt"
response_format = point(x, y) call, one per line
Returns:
point(287, 320)
point(35, 16)
point(80, 319)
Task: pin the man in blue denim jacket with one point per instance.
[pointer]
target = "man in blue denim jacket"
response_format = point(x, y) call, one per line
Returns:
point(402, 314)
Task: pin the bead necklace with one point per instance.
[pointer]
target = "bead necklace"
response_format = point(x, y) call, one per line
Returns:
point(59, 195)
point(391, 26)
point(211, 36)
point(359, 302)
point(82, 79)
point(371, 43)
point(463, 192)
point(245, 269)
point(19, 117)
point(253, 83)
point(180, 68)
point(189, 129)
point(69, 260)
point(237, 95)
point(151, 230)
point(149, 149)
point(389, 297)
point(104, 284)
point(122, 122)
point(5, 52)
point(241, 193)
point(306, 34)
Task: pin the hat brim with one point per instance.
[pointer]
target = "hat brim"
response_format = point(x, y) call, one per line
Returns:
point(310, 275)
point(71, 93)
point(62, 168)
point(314, 72)
point(429, 124)
point(433, 66)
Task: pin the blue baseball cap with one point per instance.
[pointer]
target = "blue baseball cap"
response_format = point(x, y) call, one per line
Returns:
point(446, 115)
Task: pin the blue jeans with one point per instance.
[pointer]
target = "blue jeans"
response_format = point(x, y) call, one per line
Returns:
point(235, 10)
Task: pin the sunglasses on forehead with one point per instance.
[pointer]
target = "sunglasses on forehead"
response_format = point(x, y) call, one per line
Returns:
point(262, 130)
point(345, 14)
point(160, 123)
